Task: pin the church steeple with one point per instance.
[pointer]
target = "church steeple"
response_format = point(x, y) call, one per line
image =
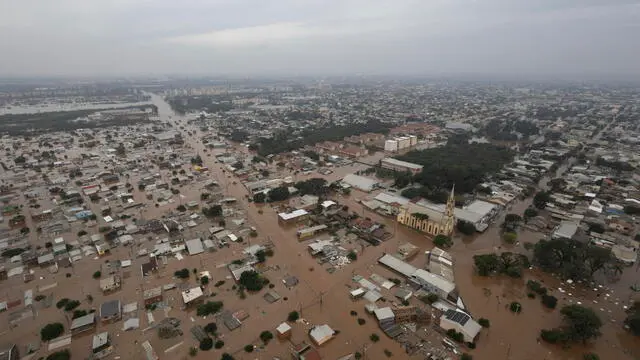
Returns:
point(449, 213)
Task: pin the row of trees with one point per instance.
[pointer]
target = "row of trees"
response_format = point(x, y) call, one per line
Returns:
point(572, 259)
point(508, 263)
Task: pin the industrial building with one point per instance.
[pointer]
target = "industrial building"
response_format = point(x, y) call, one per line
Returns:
point(401, 166)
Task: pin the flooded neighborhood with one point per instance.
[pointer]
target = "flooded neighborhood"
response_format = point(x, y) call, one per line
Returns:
point(249, 220)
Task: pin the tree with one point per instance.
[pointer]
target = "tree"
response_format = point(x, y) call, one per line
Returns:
point(182, 274)
point(454, 335)
point(374, 338)
point(251, 280)
point(484, 322)
point(549, 301)
point(352, 255)
point(204, 280)
point(266, 336)
point(512, 218)
point(206, 344)
point(97, 274)
point(181, 208)
point(62, 302)
point(219, 344)
point(253, 233)
point(541, 199)
point(570, 258)
point(293, 316)
point(279, 194)
point(466, 356)
point(591, 356)
point(208, 308)
point(71, 305)
point(465, 227)
point(51, 331)
point(581, 323)
point(509, 237)
point(632, 320)
point(211, 328)
point(530, 213)
point(13, 252)
point(259, 197)
point(442, 241)
point(486, 264)
point(226, 356)
point(357, 355)
point(60, 355)
point(553, 336)
point(213, 211)
point(248, 348)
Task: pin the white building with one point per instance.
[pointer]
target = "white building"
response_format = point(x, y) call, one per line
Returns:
point(460, 322)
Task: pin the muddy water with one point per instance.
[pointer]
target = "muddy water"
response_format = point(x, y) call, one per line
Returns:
point(323, 297)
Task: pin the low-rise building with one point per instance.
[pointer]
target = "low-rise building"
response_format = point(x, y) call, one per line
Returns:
point(83, 323)
point(110, 284)
point(111, 311)
point(460, 322)
point(400, 166)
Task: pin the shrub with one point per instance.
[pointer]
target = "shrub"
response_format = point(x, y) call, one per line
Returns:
point(357, 355)
point(353, 313)
point(374, 337)
point(193, 351)
point(51, 331)
point(536, 287)
point(361, 321)
point(352, 256)
point(531, 295)
point(204, 280)
point(248, 348)
point(549, 301)
point(553, 336)
point(484, 322)
point(253, 233)
point(97, 274)
point(515, 307)
point(226, 356)
point(591, 356)
point(466, 356)
point(387, 352)
point(39, 297)
point(455, 336)
point(219, 344)
point(293, 316)
point(510, 237)
point(206, 344)
point(251, 280)
point(266, 336)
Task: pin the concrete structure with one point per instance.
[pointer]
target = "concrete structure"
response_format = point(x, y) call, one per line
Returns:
point(292, 217)
point(400, 166)
point(110, 284)
point(9, 353)
point(460, 322)
point(283, 331)
point(360, 182)
point(152, 296)
point(83, 323)
point(566, 230)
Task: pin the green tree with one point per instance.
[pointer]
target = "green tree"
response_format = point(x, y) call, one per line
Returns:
point(581, 323)
point(182, 274)
point(374, 338)
point(293, 316)
point(226, 356)
point(530, 213)
point(541, 199)
point(484, 322)
point(632, 320)
point(591, 356)
point(266, 336)
point(60, 355)
point(515, 307)
point(208, 308)
point(549, 301)
point(252, 281)
point(248, 348)
point(211, 328)
point(352, 255)
point(51, 331)
point(279, 194)
point(259, 197)
point(442, 241)
point(219, 344)
point(213, 211)
point(97, 274)
point(465, 227)
point(206, 344)
point(509, 237)
point(204, 280)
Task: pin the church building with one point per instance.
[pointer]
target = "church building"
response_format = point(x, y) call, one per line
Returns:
point(427, 219)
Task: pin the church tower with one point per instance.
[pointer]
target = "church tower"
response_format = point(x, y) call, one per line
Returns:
point(449, 216)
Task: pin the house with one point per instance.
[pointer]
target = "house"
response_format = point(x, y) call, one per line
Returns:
point(565, 231)
point(149, 267)
point(292, 217)
point(152, 296)
point(321, 334)
point(460, 322)
point(110, 284)
point(192, 296)
point(101, 345)
point(111, 311)
point(283, 331)
point(9, 352)
point(194, 246)
point(83, 323)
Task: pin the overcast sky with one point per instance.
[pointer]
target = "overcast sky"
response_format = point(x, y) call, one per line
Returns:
point(319, 37)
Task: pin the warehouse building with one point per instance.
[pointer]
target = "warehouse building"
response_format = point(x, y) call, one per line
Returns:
point(401, 166)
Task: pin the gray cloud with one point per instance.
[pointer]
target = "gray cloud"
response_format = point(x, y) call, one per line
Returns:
point(250, 37)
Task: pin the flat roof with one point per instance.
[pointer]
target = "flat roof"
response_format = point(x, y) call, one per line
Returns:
point(194, 246)
point(406, 164)
point(90, 318)
point(283, 328)
point(292, 215)
point(397, 265)
point(191, 294)
point(384, 313)
point(360, 182)
point(435, 280)
point(100, 339)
